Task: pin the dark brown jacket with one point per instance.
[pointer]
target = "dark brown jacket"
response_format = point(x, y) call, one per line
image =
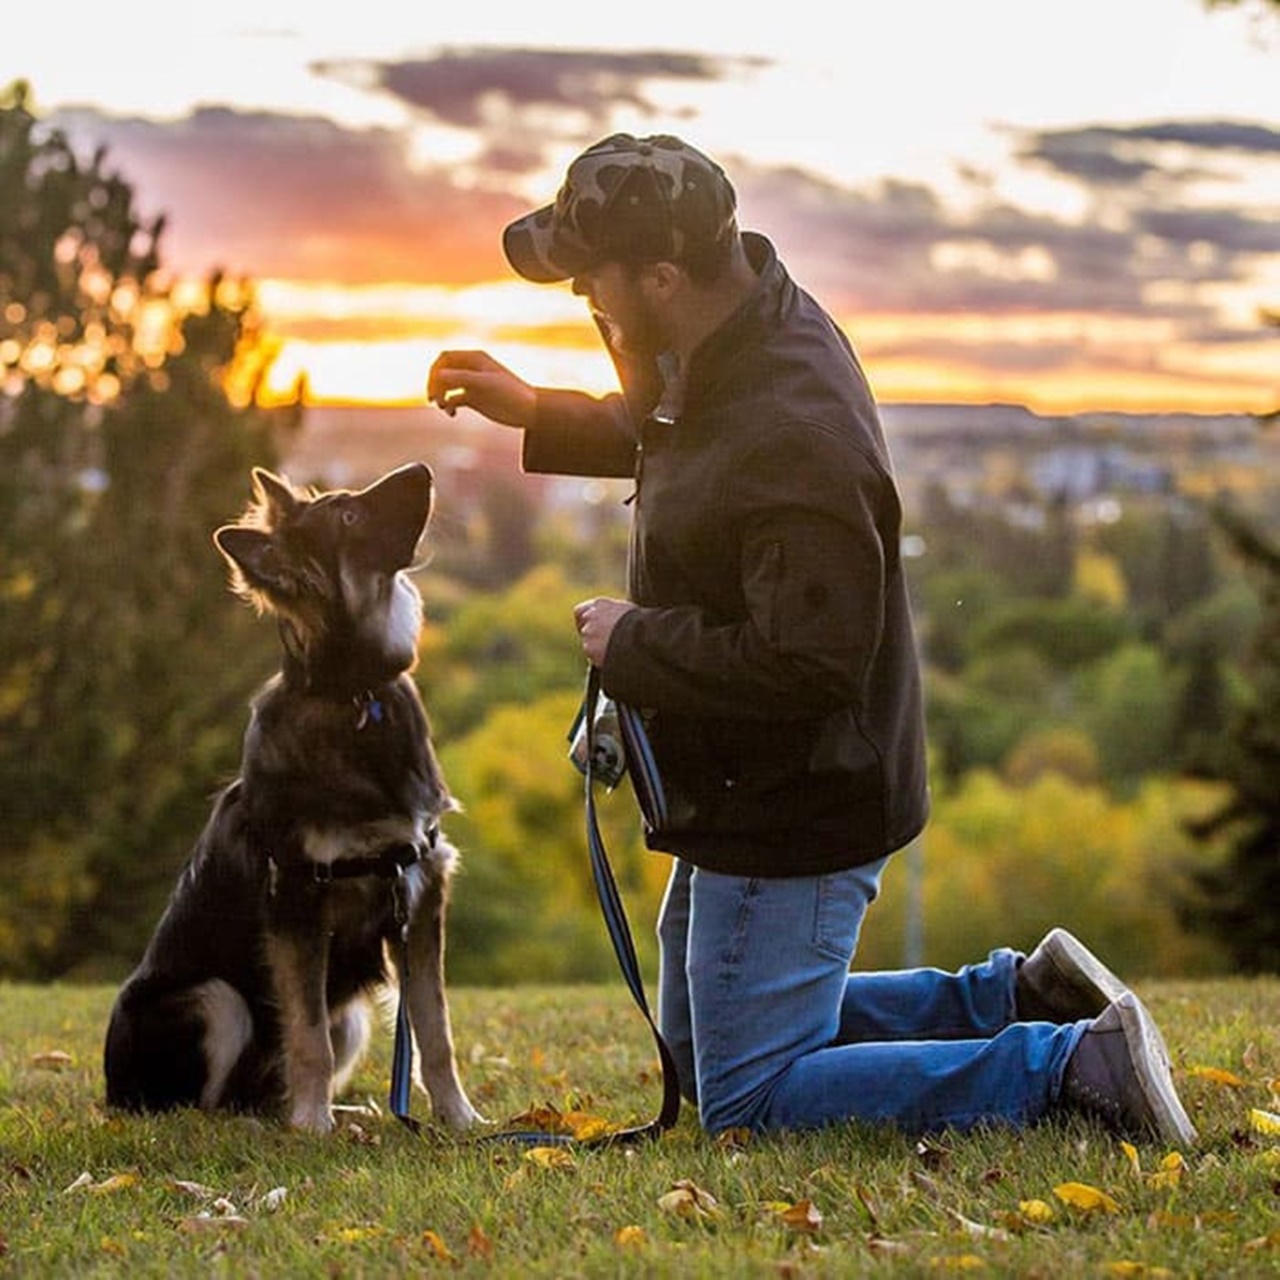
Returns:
point(773, 650)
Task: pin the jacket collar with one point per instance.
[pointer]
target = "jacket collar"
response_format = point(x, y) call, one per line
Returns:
point(642, 381)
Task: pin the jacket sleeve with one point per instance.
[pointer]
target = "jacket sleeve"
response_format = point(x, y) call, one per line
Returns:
point(817, 526)
point(575, 434)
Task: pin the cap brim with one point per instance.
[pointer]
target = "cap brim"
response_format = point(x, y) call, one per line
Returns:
point(527, 243)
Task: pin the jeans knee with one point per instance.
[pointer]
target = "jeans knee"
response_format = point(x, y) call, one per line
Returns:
point(721, 1107)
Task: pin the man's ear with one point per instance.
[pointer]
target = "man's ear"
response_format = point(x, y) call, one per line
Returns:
point(663, 279)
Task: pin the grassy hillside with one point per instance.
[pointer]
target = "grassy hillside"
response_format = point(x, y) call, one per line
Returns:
point(84, 1193)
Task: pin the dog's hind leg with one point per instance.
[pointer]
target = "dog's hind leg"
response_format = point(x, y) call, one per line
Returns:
point(228, 1031)
point(429, 1009)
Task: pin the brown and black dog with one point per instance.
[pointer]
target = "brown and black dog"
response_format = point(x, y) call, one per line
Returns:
point(256, 990)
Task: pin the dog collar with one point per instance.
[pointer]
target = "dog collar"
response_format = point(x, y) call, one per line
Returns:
point(388, 864)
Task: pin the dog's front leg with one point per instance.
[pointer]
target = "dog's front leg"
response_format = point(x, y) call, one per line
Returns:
point(429, 1010)
point(299, 965)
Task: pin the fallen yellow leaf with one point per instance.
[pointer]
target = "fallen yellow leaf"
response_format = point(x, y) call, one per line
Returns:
point(436, 1245)
point(1079, 1195)
point(117, 1182)
point(802, 1216)
point(958, 1262)
point(630, 1237)
point(1172, 1167)
point(1267, 1122)
point(1134, 1269)
point(1216, 1075)
point(354, 1235)
point(586, 1127)
point(1036, 1211)
point(1131, 1154)
point(550, 1157)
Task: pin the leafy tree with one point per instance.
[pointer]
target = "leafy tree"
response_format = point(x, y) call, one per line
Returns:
point(525, 906)
point(1051, 852)
point(1127, 704)
point(509, 647)
point(126, 435)
point(1236, 900)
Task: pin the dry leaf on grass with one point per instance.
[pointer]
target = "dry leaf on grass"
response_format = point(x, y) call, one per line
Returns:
point(272, 1200)
point(688, 1200)
point(196, 1189)
point(108, 1186)
point(52, 1060)
point(479, 1245)
point(202, 1222)
point(976, 1230)
point(804, 1216)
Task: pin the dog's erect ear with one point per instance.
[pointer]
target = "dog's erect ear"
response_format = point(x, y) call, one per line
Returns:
point(274, 494)
point(253, 554)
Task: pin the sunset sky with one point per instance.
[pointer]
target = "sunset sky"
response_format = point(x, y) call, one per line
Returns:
point(1070, 206)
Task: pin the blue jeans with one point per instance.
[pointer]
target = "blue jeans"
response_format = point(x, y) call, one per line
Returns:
point(771, 1031)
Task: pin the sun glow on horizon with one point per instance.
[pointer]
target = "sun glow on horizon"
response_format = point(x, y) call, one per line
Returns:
point(374, 345)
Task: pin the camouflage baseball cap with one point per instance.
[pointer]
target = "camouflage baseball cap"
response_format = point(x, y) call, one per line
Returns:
point(625, 199)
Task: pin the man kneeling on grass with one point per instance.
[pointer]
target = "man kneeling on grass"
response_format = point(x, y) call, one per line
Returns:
point(768, 640)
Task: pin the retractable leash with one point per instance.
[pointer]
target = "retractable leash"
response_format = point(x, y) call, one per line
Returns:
point(653, 806)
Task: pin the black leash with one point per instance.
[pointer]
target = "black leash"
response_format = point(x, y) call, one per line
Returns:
point(649, 795)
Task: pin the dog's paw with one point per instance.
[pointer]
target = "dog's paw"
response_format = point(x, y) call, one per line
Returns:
point(311, 1119)
point(459, 1115)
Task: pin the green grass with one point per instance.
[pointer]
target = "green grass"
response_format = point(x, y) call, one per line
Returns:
point(195, 1195)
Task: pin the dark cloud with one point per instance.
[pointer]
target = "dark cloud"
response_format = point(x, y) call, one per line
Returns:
point(1225, 229)
point(480, 88)
point(880, 249)
point(1103, 155)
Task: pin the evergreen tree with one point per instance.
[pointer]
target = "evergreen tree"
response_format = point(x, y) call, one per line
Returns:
point(124, 661)
point(1237, 899)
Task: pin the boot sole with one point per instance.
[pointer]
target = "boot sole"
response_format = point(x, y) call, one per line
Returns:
point(1168, 1119)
